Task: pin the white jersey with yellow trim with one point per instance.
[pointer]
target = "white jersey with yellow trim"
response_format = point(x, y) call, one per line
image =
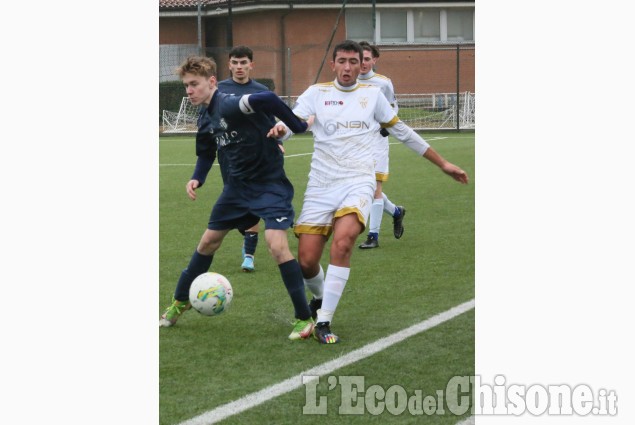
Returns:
point(346, 121)
point(384, 83)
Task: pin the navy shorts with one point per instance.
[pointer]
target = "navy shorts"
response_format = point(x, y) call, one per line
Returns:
point(241, 207)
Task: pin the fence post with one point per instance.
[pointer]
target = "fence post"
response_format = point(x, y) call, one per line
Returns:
point(199, 31)
point(458, 118)
point(286, 82)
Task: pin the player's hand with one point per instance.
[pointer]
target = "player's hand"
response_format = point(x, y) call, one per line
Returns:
point(455, 172)
point(310, 121)
point(277, 131)
point(190, 188)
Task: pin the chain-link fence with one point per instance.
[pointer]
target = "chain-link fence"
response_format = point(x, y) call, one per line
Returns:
point(418, 111)
point(428, 79)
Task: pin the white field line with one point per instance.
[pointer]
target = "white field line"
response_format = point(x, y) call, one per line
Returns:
point(254, 399)
point(216, 163)
point(286, 156)
point(180, 165)
point(298, 154)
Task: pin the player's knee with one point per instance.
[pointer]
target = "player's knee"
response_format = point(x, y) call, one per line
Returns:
point(309, 268)
point(280, 252)
point(309, 263)
point(209, 243)
point(208, 247)
point(342, 247)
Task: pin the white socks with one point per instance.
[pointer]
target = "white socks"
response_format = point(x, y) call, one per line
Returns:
point(336, 278)
point(376, 211)
point(316, 284)
point(389, 207)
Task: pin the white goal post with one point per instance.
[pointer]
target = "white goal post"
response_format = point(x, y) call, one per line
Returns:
point(437, 111)
point(183, 121)
point(419, 111)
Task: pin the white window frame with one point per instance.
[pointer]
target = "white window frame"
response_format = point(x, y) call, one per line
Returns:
point(410, 31)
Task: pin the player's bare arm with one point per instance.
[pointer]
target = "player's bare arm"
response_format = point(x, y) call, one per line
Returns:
point(412, 140)
point(447, 167)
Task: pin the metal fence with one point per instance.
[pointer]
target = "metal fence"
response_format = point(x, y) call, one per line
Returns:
point(435, 83)
point(419, 111)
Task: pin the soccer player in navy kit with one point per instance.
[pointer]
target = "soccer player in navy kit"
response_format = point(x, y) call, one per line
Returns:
point(256, 186)
point(240, 65)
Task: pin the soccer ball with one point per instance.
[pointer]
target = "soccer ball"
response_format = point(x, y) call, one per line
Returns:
point(211, 294)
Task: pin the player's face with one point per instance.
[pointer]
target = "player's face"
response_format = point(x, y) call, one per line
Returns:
point(367, 62)
point(240, 68)
point(199, 89)
point(346, 67)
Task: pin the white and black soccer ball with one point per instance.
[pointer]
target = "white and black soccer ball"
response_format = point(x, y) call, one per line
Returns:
point(211, 294)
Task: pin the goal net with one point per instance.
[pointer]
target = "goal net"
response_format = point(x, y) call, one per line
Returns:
point(183, 121)
point(419, 111)
point(437, 111)
point(431, 111)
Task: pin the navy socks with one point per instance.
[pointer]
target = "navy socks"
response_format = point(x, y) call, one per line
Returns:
point(251, 241)
point(199, 264)
point(292, 278)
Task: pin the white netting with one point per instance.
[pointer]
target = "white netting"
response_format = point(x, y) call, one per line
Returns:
point(419, 111)
point(437, 111)
point(430, 111)
point(183, 121)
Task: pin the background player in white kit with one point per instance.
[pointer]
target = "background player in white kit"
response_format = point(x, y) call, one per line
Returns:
point(381, 203)
point(341, 184)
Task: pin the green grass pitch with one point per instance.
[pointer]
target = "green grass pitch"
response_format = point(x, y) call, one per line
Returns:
point(209, 361)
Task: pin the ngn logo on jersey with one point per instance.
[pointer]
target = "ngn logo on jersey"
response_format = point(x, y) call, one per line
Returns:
point(332, 126)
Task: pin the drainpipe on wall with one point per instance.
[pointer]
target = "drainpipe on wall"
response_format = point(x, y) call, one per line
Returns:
point(374, 23)
point(230, 30)
point(200, 38)
point(283, 49)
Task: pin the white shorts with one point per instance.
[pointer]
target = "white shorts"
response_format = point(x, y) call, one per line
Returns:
point(380, 156)
point(322, 205)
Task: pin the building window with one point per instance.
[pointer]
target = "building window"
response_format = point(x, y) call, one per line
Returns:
point(421, 25)
point(460, 25)
point(427, 25)
point(359, 25)
point(393, 26)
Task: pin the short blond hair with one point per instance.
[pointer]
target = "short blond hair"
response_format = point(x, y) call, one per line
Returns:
point(197, 65)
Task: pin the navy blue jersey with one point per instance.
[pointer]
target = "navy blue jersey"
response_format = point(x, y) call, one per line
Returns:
point(255, 185)
point(230, 86)
point(246, 155)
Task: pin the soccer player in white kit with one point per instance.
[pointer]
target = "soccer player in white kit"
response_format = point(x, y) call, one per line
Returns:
point(381, 203)
point(346, 115)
